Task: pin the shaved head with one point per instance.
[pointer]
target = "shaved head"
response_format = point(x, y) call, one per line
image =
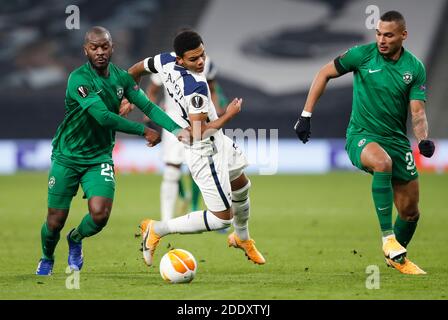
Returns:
point(394, 16)
point(98, 48)
point(96, 33)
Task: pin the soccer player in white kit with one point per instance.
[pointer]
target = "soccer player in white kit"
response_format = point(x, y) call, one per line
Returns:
point(173, 154)
point(215, 162)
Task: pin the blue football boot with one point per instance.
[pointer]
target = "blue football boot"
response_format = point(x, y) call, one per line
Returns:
point(75, 257)
point(45, 267)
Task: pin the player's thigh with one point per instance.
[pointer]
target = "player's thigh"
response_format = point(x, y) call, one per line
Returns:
point(237, 161)
point(211, 175)
point(63, 183)
point(354, 146)
point(99, 180)
point(172, 149)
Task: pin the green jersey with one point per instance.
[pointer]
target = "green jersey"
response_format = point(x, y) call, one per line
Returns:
point(382, 90)
point(87, 134)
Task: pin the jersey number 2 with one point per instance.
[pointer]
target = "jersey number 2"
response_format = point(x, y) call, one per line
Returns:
point(108, 171)
point(410, 161)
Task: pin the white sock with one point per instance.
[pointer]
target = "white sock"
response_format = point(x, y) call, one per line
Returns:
point(168, 192)
point(241, 211)
point(193, 222)
point(387, 237)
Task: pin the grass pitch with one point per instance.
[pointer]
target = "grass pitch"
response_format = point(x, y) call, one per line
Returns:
point(318, 234)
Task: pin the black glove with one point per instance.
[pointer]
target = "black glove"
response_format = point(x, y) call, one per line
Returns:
point(427, 148)
point(303, 128)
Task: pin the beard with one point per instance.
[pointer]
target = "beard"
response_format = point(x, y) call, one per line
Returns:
point(101, 66)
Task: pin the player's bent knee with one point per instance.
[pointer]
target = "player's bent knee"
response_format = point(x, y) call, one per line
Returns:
point(218, 221)
point(241, 194)
point(383, 165)
point(56, 219)
point(171, 173)
point(410, 214)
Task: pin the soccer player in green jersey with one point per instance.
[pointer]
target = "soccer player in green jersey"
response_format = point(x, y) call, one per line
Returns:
point(82, 146)
point(387, 80)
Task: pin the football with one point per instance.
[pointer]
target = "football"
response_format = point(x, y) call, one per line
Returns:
point(178, 266)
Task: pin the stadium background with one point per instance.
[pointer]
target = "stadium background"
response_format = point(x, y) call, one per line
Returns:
point(268, 56)
point(267, 52)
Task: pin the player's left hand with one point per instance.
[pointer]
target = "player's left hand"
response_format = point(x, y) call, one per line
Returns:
point(152, 136)
point(125, 108)
point(426, 148)
point(303, 128)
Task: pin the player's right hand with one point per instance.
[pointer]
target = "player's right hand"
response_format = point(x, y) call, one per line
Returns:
point(185, 136)
point(234, 107)
point(303, 128)
point(125, 108)
point(426, 148)
point(152, 136)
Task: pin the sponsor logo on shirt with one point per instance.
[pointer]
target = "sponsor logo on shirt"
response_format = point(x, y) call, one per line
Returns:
point(422, 87)
point(82, 91)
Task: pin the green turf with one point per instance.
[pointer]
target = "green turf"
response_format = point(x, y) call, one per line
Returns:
point(318, 233)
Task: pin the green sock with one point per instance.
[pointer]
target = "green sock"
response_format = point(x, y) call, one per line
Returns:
point(404, 230)
point(181, 189)
point(383, 199)
point(86, 228)
point(195, 192)
point(49, 240)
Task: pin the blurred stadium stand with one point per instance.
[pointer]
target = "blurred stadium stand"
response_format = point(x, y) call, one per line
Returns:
point(267, 51)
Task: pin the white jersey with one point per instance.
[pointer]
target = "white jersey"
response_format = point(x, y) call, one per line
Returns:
point(214, 161)
point(169, 104)
point(188, 94)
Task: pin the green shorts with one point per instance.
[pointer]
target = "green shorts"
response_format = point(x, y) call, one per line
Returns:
point(403, 164)
point(63, 183)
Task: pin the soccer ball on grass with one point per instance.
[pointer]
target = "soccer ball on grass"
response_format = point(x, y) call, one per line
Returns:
point(178, 266)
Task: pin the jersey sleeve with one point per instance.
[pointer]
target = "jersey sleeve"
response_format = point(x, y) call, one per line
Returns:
point(136, 96)
point(418, 89)
point(350, 60)
point(79, 88)
point(198, 101)
point(159, 61)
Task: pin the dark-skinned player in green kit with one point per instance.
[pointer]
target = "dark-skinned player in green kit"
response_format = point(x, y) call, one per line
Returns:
point(83, 144)
point(387, 81)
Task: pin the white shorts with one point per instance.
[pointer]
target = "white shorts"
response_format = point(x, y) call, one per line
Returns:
point(173, 150)
point(213, 173)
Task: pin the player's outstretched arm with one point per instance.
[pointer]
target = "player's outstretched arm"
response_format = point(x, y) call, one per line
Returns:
point(138, 70)
point(136, 96)
point(303, 124)
point(420, 128)
point(202, 129)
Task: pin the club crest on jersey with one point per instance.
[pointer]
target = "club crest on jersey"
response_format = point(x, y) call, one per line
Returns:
point(120, 92)
point(361, 142)
point(197, 102)
point(51, 182)
point(407, 77)
point(82, 91)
